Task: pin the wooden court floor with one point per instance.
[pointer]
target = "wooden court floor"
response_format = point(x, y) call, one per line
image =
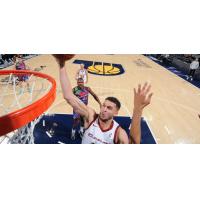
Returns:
point(172, 115)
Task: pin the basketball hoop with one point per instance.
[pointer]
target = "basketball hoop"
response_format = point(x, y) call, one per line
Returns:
point(21, 108)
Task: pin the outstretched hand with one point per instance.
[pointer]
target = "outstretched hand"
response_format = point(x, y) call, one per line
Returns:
point(62, 58)
point(142, 96)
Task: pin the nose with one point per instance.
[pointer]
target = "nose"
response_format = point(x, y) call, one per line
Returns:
point(105, 109)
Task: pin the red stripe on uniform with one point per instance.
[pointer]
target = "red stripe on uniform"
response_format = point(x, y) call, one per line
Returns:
point(111, 126)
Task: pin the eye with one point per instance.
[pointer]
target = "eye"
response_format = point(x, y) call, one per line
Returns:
point(109, 107)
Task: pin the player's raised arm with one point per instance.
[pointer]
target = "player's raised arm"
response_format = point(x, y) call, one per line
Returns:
point(77, 105)
point(142, 98)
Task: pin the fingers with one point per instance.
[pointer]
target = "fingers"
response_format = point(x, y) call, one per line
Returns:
point(134, 91)
point(144, 86)
point(148, 100)
point(144, 89)
point(61, 63)
point(139, 89)
point(147, 89)
point(149, 96)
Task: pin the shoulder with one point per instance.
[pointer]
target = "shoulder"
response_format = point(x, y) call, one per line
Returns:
point(121, 136)
point(75, 89)
point(88, 89)
point(120, 130)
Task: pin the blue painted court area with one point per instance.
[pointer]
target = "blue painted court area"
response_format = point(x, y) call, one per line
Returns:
point(57, 129)
point(174, 70)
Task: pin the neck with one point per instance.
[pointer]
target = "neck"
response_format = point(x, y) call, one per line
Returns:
point(105, 123)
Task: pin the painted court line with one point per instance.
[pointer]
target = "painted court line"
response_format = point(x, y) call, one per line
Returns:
point(48, 134)
point(152, 133)
point(167, 130)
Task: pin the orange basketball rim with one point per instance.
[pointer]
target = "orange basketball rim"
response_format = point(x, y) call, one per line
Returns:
point(23, 116)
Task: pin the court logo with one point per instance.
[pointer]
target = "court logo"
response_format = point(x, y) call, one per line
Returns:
point(101, 68)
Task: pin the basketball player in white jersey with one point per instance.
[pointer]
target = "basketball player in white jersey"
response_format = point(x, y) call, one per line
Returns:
point(82, 73)
point(101, 128)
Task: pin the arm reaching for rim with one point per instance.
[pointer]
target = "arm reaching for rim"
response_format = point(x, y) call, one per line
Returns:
point(71, 99)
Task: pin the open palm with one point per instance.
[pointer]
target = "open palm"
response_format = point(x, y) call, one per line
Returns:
point(142, 96)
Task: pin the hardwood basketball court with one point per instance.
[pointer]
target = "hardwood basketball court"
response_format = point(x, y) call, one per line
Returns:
point(173, 113)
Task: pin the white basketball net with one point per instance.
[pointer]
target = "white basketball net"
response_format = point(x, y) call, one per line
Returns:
point(16, 95)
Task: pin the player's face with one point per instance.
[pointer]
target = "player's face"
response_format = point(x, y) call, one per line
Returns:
point(108, 110)
point(82, 66)
point(80, 83)
point(19, 59)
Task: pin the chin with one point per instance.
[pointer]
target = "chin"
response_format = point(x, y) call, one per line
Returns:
point(104, 119)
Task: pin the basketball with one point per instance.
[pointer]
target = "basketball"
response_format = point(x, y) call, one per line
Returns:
point(62, 58)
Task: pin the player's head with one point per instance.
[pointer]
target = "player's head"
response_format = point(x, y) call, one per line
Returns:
point(82, 66)
point(18, 57)
point(80, 82)
point(109, 108)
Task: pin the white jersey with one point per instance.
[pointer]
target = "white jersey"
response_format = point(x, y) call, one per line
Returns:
point(95, 135)
point(82, 74)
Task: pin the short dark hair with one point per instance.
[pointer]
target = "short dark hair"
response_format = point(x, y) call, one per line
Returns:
point(80, 80)
point(115, 101)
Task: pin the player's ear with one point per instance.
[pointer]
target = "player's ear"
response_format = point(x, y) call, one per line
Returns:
point(116, 111)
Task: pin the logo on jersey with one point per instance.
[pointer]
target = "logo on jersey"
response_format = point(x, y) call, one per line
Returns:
point(101, 68)
point(96, 139)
